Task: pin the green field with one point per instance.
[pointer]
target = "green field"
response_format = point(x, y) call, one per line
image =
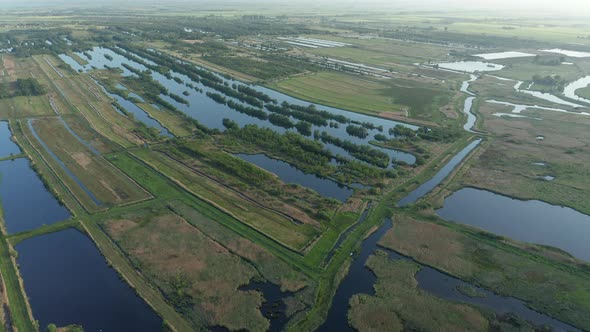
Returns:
point(367, 95)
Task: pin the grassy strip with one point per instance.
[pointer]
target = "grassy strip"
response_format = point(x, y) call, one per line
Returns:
point(45, 229)
point(19, 311)
point(119, 262)
point(12, 157)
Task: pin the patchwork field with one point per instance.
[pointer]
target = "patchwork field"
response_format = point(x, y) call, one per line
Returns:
point(95, 181)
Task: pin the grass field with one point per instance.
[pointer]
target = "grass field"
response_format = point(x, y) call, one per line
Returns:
point(537, 277)
point(367, 95)
point(399, 304)
point(584, 92)
point(268, 222)
point(11, 291)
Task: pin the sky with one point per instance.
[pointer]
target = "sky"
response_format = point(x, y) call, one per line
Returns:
point(516, 7)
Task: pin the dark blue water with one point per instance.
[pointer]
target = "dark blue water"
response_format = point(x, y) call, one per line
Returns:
point(7, 147)
point(290, 174)
point(527, 221)
point(359, 280)
point(211, 114)
point(25, 201)
point(344, 235)
point(62, 165)
point(68, 281)
point(427, 186)
point(273, 307)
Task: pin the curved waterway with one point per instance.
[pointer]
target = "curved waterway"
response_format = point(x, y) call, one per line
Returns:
point(7, 147)
point(427, 186)
point(290, 174)
point(468, 126)
point(25, 201)
point(211, 114)
point(68, 281)
point(570, 89)
point(528, 221)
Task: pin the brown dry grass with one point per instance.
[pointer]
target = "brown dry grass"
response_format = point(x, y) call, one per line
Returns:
point(428, 242)
point(166, 248)
point(9, 65)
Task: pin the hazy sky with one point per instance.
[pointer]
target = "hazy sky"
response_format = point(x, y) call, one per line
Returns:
point(515, 7)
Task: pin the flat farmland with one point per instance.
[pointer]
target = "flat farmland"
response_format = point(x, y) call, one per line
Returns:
point(368, 95)
point(274, 225)
point(383, 52)
point(98, 183)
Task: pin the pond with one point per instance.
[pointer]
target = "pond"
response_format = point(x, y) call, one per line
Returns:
point(25, 201)
point(470, 66)
point(528, 221)
point(290, 174)
point(427, 186)
point(68, 282)
point(211, 113)
point(503, 55)
point(8, 146)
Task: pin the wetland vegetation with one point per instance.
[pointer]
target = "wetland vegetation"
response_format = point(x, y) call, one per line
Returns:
point(280, 168)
